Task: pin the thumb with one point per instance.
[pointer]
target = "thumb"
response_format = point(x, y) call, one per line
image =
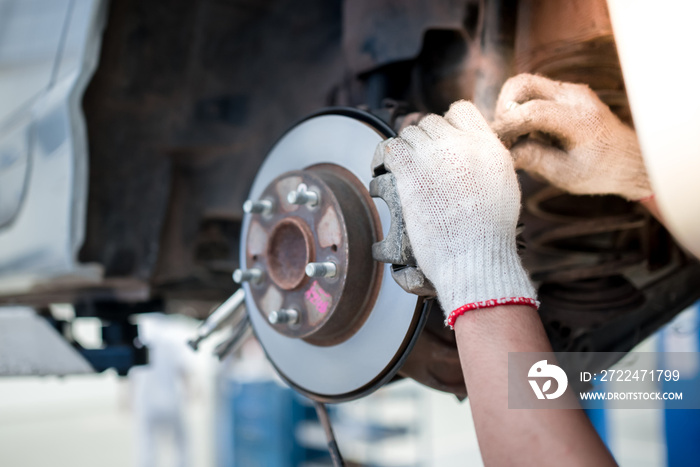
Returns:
point(396, 154)
point(552, 164)
point(551, 118)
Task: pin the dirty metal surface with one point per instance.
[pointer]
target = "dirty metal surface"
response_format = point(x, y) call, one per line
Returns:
point(187, 100)
point(434, 361)
point(396, 249)
point(572, 41)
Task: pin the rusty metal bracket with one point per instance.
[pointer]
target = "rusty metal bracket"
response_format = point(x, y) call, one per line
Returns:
point(396, 248)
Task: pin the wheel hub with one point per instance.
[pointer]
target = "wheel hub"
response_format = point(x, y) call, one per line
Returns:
point(336, 228)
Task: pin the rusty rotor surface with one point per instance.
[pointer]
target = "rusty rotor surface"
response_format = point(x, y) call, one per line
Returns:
point(339, 229)
point(353, 329)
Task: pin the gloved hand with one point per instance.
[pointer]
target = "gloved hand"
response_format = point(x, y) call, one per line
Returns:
point(592, 151)
point(460, 199)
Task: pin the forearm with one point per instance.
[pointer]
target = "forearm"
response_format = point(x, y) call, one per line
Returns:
point(515, 436)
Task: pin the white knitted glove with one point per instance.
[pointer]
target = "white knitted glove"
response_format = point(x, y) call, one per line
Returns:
point(573, 139)
point(461, 200)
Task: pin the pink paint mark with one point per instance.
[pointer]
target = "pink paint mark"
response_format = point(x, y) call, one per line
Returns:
point(318, 297)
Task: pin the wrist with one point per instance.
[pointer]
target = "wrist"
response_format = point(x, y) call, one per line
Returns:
point(506, 301)
point(483, 277)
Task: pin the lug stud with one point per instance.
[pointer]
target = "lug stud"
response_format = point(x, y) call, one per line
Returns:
point(263, 206)
point(325, 269)
point(302, 196)
point(249, 275)
point(284, 316)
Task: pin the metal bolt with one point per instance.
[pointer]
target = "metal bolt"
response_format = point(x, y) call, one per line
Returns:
point(288, 316)
point(231, 309)
point(250, 275)
point(325, 269)
point(263, 206)
point(303, 195)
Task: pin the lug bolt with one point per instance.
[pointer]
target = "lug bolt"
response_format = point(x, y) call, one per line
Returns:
point(263, 206)
point(303, 195)
point(249, 275)
point(325, 269)
point(288, 316)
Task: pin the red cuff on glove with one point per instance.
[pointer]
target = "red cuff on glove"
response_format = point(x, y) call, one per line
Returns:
point(489, 304)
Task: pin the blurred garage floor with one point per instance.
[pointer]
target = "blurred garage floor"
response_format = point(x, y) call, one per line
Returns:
point(77, 421)
point(89, 420)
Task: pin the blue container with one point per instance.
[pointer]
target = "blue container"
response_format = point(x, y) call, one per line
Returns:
point(259, 424)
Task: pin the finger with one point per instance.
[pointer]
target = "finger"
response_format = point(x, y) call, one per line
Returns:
point(436, 127)
point(415, 136)
point(379, 155)
point(421, 144)
point(541, 116)
point(552, 164)
point(410, 119)
point(397, 154)
point(523, 88)
point(464, 116)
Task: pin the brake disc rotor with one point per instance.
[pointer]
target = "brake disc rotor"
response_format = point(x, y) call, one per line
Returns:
point(341, 330)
